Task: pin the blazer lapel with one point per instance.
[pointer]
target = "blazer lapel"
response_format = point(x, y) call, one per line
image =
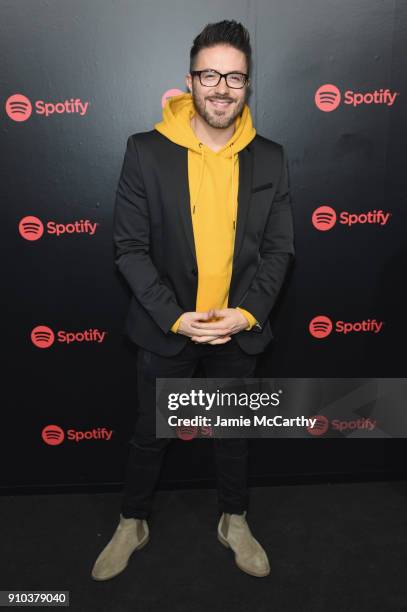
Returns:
point(180, 186)
point(244, 194)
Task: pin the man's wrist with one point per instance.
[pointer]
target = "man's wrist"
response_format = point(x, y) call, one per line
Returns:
point(249, 317)
point(175, 326)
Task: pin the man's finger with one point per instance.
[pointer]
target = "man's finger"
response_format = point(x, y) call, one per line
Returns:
point(207, 332)
point(204, 339)
point(203, 315)
point(220, 312)
point(211, 326)
point(220, 340)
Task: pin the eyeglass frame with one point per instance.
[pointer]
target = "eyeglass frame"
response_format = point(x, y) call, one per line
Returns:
point(198, 73)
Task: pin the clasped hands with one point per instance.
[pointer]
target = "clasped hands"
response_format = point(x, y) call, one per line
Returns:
point(202, 330)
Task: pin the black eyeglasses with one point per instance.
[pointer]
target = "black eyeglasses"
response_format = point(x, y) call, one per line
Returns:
point(211, 78)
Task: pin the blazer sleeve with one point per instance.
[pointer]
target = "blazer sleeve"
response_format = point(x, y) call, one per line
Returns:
point(276, 250)
point(131, 231)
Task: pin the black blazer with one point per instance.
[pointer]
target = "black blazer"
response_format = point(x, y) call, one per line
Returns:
point(154, 241)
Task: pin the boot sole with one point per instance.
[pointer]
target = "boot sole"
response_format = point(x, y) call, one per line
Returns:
point(257, 575)
point(139, 547)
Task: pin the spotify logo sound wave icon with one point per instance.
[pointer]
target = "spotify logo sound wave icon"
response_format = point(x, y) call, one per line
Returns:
point(18, 107)
point(320, 326)
point(321, 425)
point(324, 218)
point(185, 432)
point(327, 98)
point(31, 228)
point(170, 93)
point(42, 336)
point(53, 435)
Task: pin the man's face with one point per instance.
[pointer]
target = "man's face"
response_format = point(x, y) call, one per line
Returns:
point(222, 58)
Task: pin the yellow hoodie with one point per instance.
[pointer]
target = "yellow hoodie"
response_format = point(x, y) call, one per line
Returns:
point(213, 186)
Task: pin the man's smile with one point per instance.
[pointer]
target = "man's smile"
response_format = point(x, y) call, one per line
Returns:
point(217, 103)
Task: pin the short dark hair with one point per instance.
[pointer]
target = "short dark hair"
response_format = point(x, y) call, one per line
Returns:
point(223, 32)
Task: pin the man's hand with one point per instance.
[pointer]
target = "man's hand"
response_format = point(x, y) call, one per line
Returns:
point(200, 336)
point(231, 321)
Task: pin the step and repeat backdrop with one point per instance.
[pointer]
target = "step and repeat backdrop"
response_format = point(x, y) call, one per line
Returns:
point(79, 77)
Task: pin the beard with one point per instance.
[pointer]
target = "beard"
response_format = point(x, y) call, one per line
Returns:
point(217, 117)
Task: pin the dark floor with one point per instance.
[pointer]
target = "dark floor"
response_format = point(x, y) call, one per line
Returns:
point(340, 547)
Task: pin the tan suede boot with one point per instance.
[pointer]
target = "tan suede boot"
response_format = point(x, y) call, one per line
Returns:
point(131, 534)
point(234, 533)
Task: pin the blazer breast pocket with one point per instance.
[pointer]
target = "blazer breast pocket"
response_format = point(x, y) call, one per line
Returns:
point(261, 187)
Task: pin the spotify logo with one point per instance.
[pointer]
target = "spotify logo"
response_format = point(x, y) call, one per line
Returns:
point(320, 326)
point(321, 425)
point(324, 218)
point(18, 107)
point(31, 228)
point(170, 93)
point(185, 432)
point(327, 98)
point(53, 435)
point(42, 336)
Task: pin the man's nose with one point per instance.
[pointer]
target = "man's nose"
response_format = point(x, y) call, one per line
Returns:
point(222, 87)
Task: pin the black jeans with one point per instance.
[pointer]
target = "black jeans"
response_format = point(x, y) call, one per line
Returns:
point(147, 451)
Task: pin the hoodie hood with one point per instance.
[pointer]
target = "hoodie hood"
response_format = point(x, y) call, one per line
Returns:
point(175, 125)
point(177, 114)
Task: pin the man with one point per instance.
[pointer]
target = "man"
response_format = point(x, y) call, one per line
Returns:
point(204, 236)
